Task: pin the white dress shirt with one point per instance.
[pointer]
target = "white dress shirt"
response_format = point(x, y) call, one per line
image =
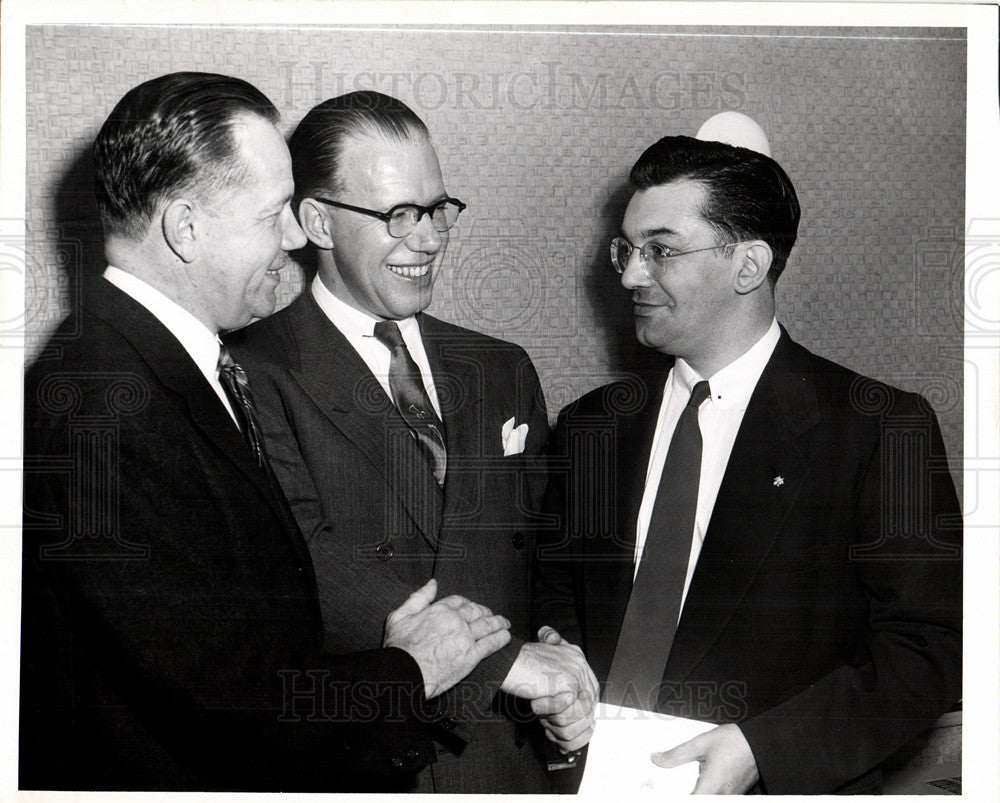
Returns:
point(359, 329)
point(198, 340)
point(719, 419)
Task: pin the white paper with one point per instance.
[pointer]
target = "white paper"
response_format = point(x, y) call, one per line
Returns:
point(618, 760)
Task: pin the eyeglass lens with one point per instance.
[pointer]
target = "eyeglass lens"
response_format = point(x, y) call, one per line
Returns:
point(621, 251)
point(405, 218)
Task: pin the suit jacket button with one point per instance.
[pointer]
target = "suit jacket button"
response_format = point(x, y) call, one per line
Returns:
point(519, 741)
point(397, 762)
point(518, 540)
point(384, 551)
point(447, 723)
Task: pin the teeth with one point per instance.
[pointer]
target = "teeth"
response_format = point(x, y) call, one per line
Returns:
point(410, 271)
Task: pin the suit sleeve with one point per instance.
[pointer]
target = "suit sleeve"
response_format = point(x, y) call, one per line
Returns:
point(909, 670)
point(199, 641)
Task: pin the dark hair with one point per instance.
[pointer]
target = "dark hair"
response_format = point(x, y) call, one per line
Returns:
point(172, 132)
point(749, 195)
point(317, 142)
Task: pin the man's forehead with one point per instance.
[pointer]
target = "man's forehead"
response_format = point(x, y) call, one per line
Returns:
point(263, 151)
point(375, 163)
point(664, 206)
point(259, 142)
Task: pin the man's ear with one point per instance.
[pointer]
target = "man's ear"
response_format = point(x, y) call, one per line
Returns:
point(754, 265)
point(315, 222)
point(180, 228)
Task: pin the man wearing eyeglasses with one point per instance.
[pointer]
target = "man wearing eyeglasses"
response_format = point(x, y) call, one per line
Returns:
point(784, 554)
point(409, 448)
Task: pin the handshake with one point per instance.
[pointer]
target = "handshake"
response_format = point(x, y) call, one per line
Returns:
point(448, 638)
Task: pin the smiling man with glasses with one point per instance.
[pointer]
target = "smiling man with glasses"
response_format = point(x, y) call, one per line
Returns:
point(410, 448)
point(784, 555)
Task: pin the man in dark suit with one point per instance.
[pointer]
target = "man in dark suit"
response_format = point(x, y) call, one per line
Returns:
point(171, 628)
point(797, 521)
point(409, 447)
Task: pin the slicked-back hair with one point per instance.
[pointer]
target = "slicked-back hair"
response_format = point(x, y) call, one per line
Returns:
point(748, 195)
point(171, 134)
point(318, 141)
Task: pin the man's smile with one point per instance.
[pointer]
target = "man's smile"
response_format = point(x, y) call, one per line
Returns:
point(410, 271)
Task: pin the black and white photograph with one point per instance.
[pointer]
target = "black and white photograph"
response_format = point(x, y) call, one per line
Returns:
point(500, 398)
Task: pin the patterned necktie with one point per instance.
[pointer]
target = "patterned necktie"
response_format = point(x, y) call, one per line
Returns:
point(411, 399)
point(647, 632)
point(237, 386)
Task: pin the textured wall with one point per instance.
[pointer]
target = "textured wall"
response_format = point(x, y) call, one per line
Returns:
point(536, 130)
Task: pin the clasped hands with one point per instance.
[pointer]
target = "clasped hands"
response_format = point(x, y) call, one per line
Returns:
point(562, 688)
point(448, 638)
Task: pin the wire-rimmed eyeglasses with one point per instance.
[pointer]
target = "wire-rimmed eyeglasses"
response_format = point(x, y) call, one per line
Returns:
point(657, 253)
point(402, 219)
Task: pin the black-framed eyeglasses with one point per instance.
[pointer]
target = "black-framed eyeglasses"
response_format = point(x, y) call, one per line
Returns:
point(657, 253)
point(403, 218)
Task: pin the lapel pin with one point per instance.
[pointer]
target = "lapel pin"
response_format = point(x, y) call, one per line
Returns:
point(778, 481)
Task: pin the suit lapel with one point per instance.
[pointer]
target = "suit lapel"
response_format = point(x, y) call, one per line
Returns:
point(173, 366)
point(608, 560)
point(766, 470)
point(459, 377)
point(338, 381)
point(634, 444)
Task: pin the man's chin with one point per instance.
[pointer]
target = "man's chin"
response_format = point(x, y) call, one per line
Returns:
point(653, 340)
point(411, 306)
point(643, 335)
point(263, 308)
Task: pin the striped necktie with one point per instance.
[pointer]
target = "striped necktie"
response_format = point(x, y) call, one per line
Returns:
point(237, 386)
point(411, 399)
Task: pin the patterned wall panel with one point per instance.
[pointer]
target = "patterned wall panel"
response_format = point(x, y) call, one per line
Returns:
point(536, 130)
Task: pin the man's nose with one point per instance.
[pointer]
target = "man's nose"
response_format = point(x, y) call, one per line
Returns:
point(292, 236)
point(635, 273)
point(425, 237)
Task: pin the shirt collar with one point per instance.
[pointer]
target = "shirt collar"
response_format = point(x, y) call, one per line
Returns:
point(201, 344)
point(733, 385)
point(353, 322)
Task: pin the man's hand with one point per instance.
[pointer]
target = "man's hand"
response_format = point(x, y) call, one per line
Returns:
point(446, 639)
point(568, 719)
point(554, 675)
point(727, 763)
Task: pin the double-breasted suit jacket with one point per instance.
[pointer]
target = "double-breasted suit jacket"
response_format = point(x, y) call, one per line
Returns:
point(824, 614)
point(377, 523)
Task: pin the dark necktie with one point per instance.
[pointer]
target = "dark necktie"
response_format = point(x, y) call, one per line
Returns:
point(237, 386)
point(411, 399)
point(647, 632)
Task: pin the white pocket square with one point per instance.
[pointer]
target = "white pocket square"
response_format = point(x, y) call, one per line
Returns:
point(513, 438)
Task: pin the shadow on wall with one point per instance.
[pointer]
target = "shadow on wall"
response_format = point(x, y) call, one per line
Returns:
point(65, 248)
point(70, 238)
point(77, 218)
